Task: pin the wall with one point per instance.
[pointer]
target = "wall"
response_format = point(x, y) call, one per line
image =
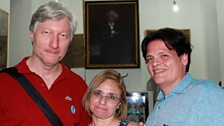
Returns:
point(220, 18)
point(211, 39)
point(154, 14)
point(19, 42)
point(4, 5)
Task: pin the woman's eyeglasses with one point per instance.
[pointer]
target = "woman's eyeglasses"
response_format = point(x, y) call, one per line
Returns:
point(111, 97)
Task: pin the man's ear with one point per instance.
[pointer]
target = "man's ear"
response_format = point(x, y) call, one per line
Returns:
point(184, 59)
point(31, 36)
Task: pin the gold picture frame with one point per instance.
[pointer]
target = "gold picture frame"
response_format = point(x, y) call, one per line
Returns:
point(114, 46)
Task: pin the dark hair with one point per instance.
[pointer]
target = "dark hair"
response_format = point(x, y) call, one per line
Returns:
point(173, 39)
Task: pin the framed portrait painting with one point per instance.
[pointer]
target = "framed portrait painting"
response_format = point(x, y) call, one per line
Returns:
point(111, 34)
point(3, 38)
point(74, 57)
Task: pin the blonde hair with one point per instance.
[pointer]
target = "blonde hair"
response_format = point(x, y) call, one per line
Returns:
point(97, 81)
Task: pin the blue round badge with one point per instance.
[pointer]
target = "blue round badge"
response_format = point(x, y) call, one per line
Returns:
point(73, 109)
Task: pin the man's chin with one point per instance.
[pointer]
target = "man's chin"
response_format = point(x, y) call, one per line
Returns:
point(52, 63)
point(158, 79)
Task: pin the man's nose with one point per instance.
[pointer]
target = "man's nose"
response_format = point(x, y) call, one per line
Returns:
point(54, 42)
point(156, 61)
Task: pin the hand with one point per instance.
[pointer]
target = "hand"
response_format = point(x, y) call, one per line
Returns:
point(135, 124)
point(141, 124)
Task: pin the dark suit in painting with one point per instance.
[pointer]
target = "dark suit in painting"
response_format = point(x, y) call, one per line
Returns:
point(114, 42)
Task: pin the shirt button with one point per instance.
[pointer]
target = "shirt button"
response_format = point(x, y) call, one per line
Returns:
point(159, 107)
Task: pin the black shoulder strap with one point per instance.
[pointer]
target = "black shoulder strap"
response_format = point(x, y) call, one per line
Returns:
point(35, 95)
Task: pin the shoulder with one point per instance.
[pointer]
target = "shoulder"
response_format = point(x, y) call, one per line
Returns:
point(71, 74)
point(207, 91)
point(6, 78)
point(73, 81)
point(205, 85)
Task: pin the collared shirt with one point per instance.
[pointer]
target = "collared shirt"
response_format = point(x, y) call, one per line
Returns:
point(190, 103)
point(64, 97)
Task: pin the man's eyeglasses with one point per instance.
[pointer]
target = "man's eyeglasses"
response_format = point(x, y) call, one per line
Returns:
point(111, 97)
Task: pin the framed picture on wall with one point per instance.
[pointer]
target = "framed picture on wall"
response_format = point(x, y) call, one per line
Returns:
point(111, 34)
point(3, 38)
point(74, 57)
point(139, 106)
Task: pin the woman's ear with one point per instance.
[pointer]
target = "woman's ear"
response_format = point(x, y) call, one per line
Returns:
point(118, 105)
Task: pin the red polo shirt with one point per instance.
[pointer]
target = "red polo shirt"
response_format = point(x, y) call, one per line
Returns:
point(64, 97)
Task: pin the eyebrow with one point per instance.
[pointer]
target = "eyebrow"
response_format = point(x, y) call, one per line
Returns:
point(111, 93)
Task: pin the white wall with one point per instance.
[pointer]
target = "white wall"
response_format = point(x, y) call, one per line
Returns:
point(154, 14)
point(19, 42)
point(220, 10)
point(211, 39)
point(4, 5)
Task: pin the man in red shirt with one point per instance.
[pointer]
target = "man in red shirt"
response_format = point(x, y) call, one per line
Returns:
point(51, 30)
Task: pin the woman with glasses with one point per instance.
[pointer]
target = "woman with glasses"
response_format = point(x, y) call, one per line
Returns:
point(105, 100)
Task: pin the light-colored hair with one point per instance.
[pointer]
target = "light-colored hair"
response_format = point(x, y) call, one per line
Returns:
point(97, 81)
point(53, 10)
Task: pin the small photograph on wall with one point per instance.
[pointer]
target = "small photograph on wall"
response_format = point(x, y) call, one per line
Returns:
point(138, 106)
point(111, 34)
point(74, 57)
point(3, 38)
